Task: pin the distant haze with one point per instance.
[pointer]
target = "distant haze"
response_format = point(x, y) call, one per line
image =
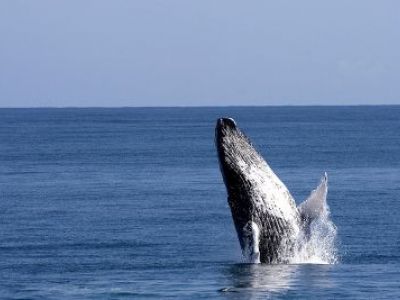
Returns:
point(193, 53)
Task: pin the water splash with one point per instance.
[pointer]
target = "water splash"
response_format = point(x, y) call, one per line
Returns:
point(316, 241)
point(317, 244)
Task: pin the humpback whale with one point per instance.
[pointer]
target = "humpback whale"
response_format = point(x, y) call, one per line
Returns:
point(267, 221)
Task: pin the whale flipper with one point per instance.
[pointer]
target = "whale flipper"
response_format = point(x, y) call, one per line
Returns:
point(315, 205)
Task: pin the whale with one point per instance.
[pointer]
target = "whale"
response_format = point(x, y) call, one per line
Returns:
point(269, 225)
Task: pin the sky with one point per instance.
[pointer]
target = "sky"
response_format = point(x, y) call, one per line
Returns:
point(198, 53)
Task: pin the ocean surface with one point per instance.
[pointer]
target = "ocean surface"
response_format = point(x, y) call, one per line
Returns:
point(129, 203)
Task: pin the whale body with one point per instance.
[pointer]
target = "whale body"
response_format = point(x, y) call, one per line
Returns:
point(267, 221)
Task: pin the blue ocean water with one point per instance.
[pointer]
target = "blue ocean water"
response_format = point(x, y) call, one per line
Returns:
point(129, 203)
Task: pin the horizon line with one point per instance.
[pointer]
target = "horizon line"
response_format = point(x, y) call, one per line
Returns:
point(197, 106)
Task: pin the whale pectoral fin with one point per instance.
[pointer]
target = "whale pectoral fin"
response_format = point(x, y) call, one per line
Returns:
point(315, 205)
point(251, 242)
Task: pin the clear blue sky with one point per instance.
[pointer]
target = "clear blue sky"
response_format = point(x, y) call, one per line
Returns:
point(205, 52)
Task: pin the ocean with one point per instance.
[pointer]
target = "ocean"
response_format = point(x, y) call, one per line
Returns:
point(129, 203)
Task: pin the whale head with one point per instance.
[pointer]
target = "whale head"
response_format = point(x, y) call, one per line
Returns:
point(236, 157)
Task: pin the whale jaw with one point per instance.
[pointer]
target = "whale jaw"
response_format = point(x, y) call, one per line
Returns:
point(264, 213)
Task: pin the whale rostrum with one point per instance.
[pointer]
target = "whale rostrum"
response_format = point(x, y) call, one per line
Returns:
point(264, 213)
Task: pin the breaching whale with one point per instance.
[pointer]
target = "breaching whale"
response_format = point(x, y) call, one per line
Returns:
point(267, 221)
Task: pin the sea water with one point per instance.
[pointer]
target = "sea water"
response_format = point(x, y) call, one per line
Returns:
point(129, 203)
